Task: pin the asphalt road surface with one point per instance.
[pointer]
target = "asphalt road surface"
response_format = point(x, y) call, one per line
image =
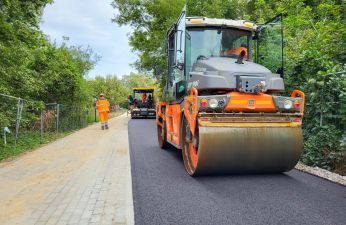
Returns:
point(164, 193)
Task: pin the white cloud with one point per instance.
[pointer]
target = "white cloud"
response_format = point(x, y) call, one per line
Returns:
point(88, 23)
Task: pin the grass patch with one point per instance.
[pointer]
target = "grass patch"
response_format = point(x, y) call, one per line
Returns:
point(27, 141)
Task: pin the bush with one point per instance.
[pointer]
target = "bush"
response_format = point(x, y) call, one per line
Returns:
point(322, 148)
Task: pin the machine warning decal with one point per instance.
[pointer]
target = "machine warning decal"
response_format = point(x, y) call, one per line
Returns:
point(251, 102)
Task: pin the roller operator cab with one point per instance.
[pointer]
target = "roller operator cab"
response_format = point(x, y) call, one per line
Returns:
point(223, 100)
point(142, 103)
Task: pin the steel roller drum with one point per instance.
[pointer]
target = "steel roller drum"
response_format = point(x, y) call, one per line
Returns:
point(231, 150)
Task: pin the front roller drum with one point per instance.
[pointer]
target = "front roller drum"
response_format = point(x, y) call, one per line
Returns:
point(235, 150)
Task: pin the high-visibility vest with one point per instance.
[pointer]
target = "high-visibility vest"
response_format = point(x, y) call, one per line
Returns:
point(102, 105)
point(144, 98)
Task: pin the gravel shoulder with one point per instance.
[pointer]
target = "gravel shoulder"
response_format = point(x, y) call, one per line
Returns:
point(84, 178)
point(337, 178)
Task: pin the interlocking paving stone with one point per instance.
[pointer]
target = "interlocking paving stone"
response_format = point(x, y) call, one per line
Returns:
point(95, 176)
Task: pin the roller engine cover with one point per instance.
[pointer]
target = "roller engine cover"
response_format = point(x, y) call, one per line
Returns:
point(224, 73)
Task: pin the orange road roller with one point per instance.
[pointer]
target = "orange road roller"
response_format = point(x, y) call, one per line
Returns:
point(223, 103)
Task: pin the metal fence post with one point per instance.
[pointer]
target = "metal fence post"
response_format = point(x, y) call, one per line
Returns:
point(41, 124)
point(57, 118)
point(6, 131)
point(5, 141)
point(85, 122)
point(18, 118)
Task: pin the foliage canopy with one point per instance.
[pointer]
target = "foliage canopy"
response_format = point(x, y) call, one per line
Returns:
point(315, 35)
point(33, 68)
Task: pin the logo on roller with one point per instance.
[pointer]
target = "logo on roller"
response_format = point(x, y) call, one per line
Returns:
point(251, 102)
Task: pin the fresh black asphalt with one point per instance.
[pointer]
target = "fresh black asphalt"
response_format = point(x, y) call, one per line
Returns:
point(165, 194)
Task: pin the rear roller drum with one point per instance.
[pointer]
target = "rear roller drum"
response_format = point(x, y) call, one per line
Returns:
point(190, 148)
point(162, 135)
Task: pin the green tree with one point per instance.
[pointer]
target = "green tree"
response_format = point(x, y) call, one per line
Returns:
point(33, 68)
point(134, 80)
point(111, 86)
point(117, 90)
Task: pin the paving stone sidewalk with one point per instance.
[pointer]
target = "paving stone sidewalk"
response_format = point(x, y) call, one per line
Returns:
point(88, 182)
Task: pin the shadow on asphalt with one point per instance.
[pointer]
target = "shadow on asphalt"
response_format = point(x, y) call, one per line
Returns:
point(175, 153)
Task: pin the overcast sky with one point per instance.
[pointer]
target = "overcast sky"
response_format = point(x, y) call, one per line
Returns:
point(88, 23)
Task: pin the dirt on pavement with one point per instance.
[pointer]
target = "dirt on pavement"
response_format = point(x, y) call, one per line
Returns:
point(84, 178)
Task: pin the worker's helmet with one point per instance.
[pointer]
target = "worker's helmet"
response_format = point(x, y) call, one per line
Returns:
point(102, 95)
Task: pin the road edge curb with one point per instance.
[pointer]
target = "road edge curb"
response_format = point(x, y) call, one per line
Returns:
point(319, 172)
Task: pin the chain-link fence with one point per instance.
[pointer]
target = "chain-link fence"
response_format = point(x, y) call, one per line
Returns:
point(333, 107)
point(26, 124)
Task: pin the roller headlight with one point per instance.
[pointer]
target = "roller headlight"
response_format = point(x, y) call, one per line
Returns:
point(288, 104)
point(213, 103)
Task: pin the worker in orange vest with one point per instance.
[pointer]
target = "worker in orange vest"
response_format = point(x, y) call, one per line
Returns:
point(237, 51)
point(144, 97)
point(102, 105)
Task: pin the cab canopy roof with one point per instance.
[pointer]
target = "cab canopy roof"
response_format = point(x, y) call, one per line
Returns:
point(144, 89)
point(207, 22)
